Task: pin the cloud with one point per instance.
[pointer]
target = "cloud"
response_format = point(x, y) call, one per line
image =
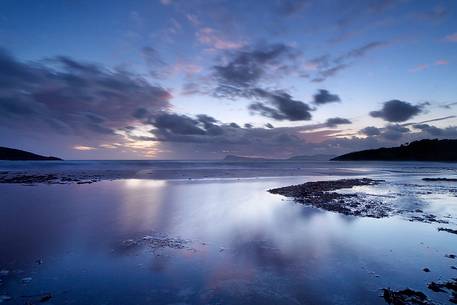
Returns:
point(84, 148)
point(325, 97)
point(394, 132)
point(334, 122)
point(214, 39)
point(441, 62)
point(326, 66)
point(154, 62)
point(449, 132)
point(291, 7)
point(184, 135)
point(178, 124)
point(66, 96)
point(247, 66)
point(449, 106)
point(419, 67)
point(390, 132)
point(371, 131)
point(451, 37)
point(284, 107)
point(166, 2)
point(397, 111)
point(436, 13)
point(203, 136)
point(361, 51)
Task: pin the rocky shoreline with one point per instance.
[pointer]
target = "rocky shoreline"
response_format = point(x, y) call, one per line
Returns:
point(324, 195)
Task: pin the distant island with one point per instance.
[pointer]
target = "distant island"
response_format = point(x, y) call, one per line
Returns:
point(423, 150)
point(234, 158)
point(12, 154)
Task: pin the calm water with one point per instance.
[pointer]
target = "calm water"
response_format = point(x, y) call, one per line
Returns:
point(234, 242)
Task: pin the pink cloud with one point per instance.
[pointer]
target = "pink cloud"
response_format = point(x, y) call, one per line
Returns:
point(451, 37)
point(187, 68)
point(418, 68)
point(193, 19)
point(440, 62)
point(212, 38)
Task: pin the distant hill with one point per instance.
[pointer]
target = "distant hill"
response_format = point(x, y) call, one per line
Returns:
point(241, 159)
point(18, 155)
point(234, 158)
point(423, 150)
point(312, 158)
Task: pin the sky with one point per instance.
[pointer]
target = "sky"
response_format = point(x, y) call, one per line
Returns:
point(195, 79)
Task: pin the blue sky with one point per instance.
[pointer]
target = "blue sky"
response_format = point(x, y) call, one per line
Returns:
point(128, 80)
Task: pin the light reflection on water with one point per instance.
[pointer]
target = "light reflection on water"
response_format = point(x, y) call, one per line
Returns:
point(248, 246)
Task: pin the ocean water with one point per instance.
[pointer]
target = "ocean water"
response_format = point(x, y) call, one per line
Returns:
point(223, 169)
point(154, 236)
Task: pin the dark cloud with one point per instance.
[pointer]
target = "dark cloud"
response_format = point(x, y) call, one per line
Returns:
point(394, 132)
point(432, 130)
point(389, 132)
point(283, 106)
point(325, 97)
point(246, 67)
point(326, 66)
point(397, 111)
point(334, 122)
point(196, 133)
point(154, 62)
point(436, 13)
point(178, 124)
point(371, 131)
point(449, 106)
point(449, 132)
point(291, 7)
point(71, 97)
point(360, 51)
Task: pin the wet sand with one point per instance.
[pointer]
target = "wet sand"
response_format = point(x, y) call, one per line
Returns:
point(223, 241)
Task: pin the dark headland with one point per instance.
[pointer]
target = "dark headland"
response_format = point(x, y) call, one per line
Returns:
point(423, 150)
point(12, 154)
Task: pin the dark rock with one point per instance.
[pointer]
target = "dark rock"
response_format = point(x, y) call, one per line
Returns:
point(405, 297)
point(426, 270)
point(45, 297)
point(448, 230)
point(449, 286)
point(440, 179)
point(435, 287)
point(319, 194)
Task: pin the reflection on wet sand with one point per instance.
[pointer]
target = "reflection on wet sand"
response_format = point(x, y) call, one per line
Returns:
point(210, 242)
